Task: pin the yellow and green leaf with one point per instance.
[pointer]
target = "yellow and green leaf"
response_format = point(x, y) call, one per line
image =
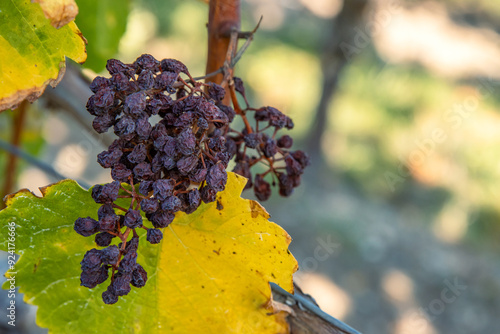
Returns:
point(33, 52)
point(59, 12)
point(209, 274)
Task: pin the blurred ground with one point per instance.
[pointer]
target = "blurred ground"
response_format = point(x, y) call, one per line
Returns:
point(396, 225)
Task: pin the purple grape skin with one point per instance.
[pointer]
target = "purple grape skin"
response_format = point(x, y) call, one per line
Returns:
point(120, 172)
point(145, 187)
point(103, 239)
point(302, 158)
point(135, 104)
point(102, 123)
point(91, 260)
point(270, 148)
point(86, 226)
point(139, 276)
point(171, 203)
point(125, 127)
point(187, 163)
point(121, 82)
point(143, 128)
point(145, 80)
point(198, 175)
point(193, 201)
point(285, 142)
point(161, 219)
point(105, 210)
point(217, 177)
point(293, 167)
point(238, 85)
point(143, 171)
point(138, 154)
point(228, 111)
point(154, 236)
point(133, 218)
point(149, 205)
point(208, 194)
point(99, 83)
point(106, 193)
point(115, 66)
point(163, 188)
point(132, 245)
point(108, 223)
point(202, 123)
point(170, 146)
point(108, 158)
point(104, 98)
point(165, 81)
point(186, 142)
point(173, 65)
point(217, 143)
point(109, 297)
point(90, 279)
point(147, 62)
point(110, 255)
point(216, 92)
point(262, 189)
point(121, 284)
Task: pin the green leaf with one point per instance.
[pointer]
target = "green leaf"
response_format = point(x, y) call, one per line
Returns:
point(33, 52)
point(103, 23)
point(209, 274)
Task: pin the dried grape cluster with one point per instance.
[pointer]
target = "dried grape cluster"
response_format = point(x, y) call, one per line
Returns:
point(171, 165)
point(285, 167)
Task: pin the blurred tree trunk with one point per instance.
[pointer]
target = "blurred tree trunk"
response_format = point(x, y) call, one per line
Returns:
point(347, 38)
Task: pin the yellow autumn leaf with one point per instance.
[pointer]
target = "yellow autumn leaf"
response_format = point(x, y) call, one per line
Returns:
point(32, 52)
point(59, 12)
point(209, 274)
point(225, 254)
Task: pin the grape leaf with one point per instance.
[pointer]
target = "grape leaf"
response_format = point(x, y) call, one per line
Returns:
point(103, 23)
point(33, 52)
point(209, 274)
point(59, 12)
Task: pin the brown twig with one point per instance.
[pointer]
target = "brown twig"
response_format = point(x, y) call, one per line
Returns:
point(10, 168)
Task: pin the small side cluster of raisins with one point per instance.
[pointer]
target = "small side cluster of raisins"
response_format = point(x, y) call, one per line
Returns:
point(260, 144)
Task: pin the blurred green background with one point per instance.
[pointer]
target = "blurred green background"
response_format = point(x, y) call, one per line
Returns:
point(396, 225)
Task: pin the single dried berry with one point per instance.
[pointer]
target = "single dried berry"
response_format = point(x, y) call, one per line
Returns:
point(217, 177)
point(103, 239)
point(106, 193)
point(121, 284)
point(163, 188)
point(161, 219)
point(154, 236)
point(285, 142)
point(139, 276)
point(108, 223)
point(171, 203)
point(109, 297)
point(262, 188)
point(133, 219)
point(91, 260)
point(208, 194)
point(110, 255)
point(149, 205)
point(86, 226)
